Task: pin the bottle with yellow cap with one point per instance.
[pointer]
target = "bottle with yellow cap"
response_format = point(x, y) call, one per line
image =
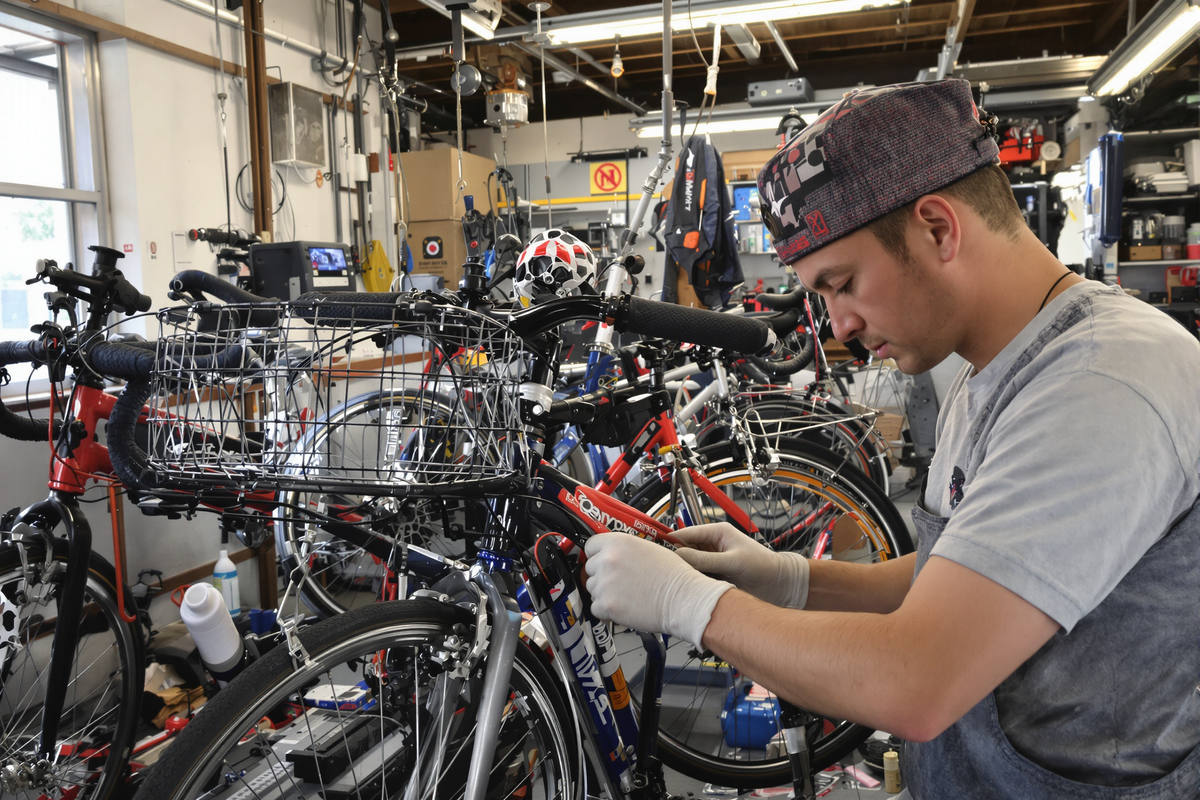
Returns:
point(891, 772)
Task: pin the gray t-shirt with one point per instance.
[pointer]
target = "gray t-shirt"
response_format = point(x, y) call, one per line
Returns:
point(1092, 451)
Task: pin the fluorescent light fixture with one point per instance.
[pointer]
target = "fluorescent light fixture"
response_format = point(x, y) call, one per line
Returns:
point(480, 19)
point(763, 123)
point(475, 26)
point(644, 21)
point(1168, 27)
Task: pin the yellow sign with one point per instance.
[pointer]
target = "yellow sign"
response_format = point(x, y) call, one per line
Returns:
point(608, 177)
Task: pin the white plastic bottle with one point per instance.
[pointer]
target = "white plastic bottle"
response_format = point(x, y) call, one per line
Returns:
point(208, 621)
point(225, 580)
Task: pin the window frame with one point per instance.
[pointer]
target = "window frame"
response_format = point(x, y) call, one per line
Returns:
point(81, 128)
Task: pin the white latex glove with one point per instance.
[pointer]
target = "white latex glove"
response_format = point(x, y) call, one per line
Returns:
point(721, 549)
point(644, 585)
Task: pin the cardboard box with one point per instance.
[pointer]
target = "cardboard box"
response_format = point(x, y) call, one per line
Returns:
point(438, 248)
point(432, 177)
point(744, 165)
point(1147, 252)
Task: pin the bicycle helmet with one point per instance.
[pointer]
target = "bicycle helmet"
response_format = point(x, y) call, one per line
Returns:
point(553, 264)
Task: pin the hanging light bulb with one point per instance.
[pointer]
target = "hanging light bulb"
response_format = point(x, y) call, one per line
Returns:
point(617, 69)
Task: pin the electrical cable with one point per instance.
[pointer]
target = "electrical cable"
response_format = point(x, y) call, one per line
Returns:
point(692, 30)
point(546, 142)
point(300, 175)
point(237, 188)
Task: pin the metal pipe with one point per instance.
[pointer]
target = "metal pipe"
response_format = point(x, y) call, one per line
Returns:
point(783, 46)
point(563, 66)
point(304, 47)
point(664, 153)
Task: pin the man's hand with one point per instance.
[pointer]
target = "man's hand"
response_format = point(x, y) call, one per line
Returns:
point(718, 548)
point(647, 587)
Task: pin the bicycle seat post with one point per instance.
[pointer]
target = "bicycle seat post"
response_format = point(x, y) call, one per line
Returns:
point(792, 720)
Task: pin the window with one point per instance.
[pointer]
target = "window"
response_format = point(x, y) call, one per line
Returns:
point(52, 201)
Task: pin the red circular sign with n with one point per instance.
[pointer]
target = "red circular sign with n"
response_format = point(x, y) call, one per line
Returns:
point(608, 177)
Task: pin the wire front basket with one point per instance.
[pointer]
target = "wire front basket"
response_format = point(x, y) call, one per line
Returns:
point(408, 399)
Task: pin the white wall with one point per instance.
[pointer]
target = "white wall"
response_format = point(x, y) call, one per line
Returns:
point(163, 145)
point(608, 132)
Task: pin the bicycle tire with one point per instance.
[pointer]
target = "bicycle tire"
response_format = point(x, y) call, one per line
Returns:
point(104, 641)
point(202, 750)
point(341, 575)
point(819, 420)
point(803, 462)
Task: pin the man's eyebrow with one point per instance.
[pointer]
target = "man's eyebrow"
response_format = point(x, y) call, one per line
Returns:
point(821, 279)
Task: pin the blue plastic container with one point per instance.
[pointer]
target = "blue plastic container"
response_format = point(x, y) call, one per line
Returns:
point(748, 722)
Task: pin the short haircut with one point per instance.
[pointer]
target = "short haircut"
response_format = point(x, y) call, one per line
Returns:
point(987, 191)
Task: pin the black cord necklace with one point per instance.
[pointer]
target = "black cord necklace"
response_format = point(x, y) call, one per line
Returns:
point(1056, 283)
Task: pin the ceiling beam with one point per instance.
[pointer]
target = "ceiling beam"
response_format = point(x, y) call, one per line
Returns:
point(699, 68)
point(824, 32)
point(1115, 14)
point(563, 66)
point(956, 31)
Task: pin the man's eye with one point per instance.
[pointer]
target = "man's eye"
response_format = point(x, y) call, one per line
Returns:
point(841, 290)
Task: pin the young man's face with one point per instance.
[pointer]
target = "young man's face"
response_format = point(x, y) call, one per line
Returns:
point(897, 310)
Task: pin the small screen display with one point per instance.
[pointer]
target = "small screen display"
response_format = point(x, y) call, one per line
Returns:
point(327, 260)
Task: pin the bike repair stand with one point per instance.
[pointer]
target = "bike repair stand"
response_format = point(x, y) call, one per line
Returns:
point(793, 722)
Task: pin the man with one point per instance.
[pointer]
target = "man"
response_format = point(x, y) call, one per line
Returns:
point(1044, 641)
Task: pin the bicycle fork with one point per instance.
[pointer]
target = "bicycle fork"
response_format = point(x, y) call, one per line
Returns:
point(60, 508)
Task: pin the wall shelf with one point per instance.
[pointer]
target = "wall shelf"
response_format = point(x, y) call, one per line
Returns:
point(1161, 198)
point(1182, 262)
point(1167, 135)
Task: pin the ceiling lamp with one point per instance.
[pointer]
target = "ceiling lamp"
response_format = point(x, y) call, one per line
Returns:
point(1168, 27)
point(647, 20)
point(618, 67)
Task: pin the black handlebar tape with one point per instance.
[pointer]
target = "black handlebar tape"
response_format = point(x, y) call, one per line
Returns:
point(778, 367)
point(17, 426)
point(117, 360)
point(193, 280)
point(695, 325)
point(781, 302)
point(347, 306)
point(782, 323)
point(128, 459)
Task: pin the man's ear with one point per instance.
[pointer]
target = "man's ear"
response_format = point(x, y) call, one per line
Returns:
point(938, 227)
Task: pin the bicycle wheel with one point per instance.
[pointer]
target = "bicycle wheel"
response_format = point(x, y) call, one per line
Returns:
point(371, 748)
point(710, 729)
point(99, 719)
point(819, 420)
point(370, 433)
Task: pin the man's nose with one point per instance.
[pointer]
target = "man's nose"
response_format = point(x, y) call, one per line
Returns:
point(846, 324)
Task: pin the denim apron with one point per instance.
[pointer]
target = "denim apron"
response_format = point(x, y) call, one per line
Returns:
point(1075, 700)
